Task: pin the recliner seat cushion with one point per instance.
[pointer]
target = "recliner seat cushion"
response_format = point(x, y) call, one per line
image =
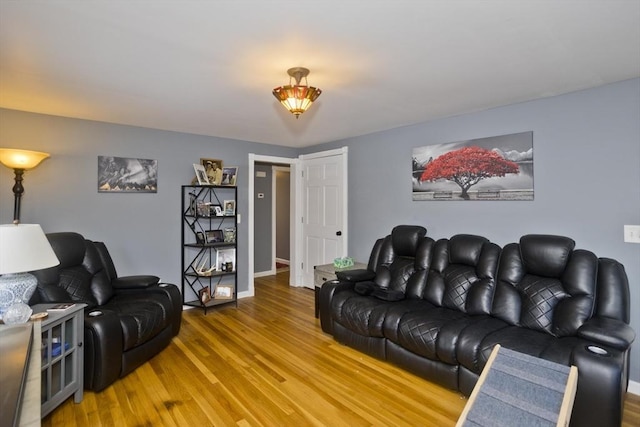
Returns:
point(419, 331)
point(363, 315)
point(141, 317)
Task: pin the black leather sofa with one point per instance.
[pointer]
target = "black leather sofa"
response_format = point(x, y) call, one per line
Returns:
point(137, 315)
point(437, 308)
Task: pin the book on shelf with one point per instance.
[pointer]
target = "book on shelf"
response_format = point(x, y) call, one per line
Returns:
point(61, 307)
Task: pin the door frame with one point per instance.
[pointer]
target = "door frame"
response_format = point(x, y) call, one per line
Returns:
point(274, 169)
point(296, 205)
point(253, 158)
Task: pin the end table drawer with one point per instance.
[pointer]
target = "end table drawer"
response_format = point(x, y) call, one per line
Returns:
point(319, 277)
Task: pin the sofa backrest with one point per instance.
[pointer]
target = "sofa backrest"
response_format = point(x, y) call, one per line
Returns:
point(81, 275)
point(612, 294)
point(462, 274)
point(545, 284)
point(401, 260)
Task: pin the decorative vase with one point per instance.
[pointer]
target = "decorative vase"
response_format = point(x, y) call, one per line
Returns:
point(16, 288)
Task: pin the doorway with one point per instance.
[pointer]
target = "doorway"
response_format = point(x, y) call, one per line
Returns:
point(298, 251)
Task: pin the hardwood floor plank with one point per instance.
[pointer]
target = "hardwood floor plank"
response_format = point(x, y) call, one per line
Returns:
point(267, 363)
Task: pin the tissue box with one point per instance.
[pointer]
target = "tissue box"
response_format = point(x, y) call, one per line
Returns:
point(343, 262)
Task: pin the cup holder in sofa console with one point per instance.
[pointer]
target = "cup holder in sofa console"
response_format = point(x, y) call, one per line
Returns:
point(95, 313)
point(597, 350)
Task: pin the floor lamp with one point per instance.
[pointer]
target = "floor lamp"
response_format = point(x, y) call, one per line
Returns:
point(20, 161)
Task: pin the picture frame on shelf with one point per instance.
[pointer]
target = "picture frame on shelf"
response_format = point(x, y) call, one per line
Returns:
point(204, 295)
point(229, 175)
point(213, 170)
point(214, 209)
point(224, 256)
point(230, 235)
point(201, 174)
point(200, 238)
point(214, 236)
point(193, 203)
point(229, 207)
point(223, 292)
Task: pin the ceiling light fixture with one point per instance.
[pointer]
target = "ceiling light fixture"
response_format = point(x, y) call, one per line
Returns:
point(297, 98)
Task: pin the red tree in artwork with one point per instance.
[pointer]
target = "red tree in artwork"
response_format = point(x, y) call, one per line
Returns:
point(467, 166)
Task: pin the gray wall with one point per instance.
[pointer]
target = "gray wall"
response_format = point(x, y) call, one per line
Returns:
point(587, 178)
point(262, 219)
point(142, 231)
point(283, 214)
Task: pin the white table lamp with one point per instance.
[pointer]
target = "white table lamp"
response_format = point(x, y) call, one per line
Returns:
point(23, 248)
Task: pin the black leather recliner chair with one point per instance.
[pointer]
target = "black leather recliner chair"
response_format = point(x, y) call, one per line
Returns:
point(138, 315)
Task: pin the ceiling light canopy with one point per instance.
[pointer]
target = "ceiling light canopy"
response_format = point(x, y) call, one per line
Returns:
point(297, 98)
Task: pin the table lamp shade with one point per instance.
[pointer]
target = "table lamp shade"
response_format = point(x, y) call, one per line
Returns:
point(24, 247)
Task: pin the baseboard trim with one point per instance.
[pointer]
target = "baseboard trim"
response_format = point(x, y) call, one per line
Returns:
point(634, 388)
point(282, 261)
point(264, 273)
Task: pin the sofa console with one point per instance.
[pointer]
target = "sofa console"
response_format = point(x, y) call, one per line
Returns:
point(437, 309)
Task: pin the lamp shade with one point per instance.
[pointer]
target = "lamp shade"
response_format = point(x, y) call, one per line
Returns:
point(21, 159)
point(24, 247)
point(297, 98)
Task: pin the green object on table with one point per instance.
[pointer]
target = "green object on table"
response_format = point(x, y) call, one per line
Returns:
point(343, 262)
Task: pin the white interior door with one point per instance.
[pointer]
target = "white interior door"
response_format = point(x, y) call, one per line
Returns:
point(324, 210)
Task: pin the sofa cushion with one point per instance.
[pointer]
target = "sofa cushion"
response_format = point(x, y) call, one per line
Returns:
point(141, 317)
point(77, 282)
point(363, 315)
point(462, 274)
point(558, 302)
point(387, 294)
point(545, 255)
point(364, 288)
point(419, 331)
point(101, 288)
point(406, 239)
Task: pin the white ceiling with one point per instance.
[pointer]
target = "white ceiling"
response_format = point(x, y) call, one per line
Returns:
point(208, 67)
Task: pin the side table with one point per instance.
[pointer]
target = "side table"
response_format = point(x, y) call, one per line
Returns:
point(326, 272)
point(62, 334)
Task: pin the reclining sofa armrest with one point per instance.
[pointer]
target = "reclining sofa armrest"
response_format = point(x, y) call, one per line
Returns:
point(134, 282)
point(360, 275)
point(609, 332)
point(327, 291)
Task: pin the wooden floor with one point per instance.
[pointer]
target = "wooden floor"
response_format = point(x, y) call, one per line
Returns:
point(267, 363)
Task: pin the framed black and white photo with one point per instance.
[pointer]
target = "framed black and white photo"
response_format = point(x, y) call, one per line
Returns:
point(229, 175)
point(224, 257)
point(213, 169)
point(201, 174)
point(223, 292)
point(127, 175)
point(229, 207)
point(214, 236)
